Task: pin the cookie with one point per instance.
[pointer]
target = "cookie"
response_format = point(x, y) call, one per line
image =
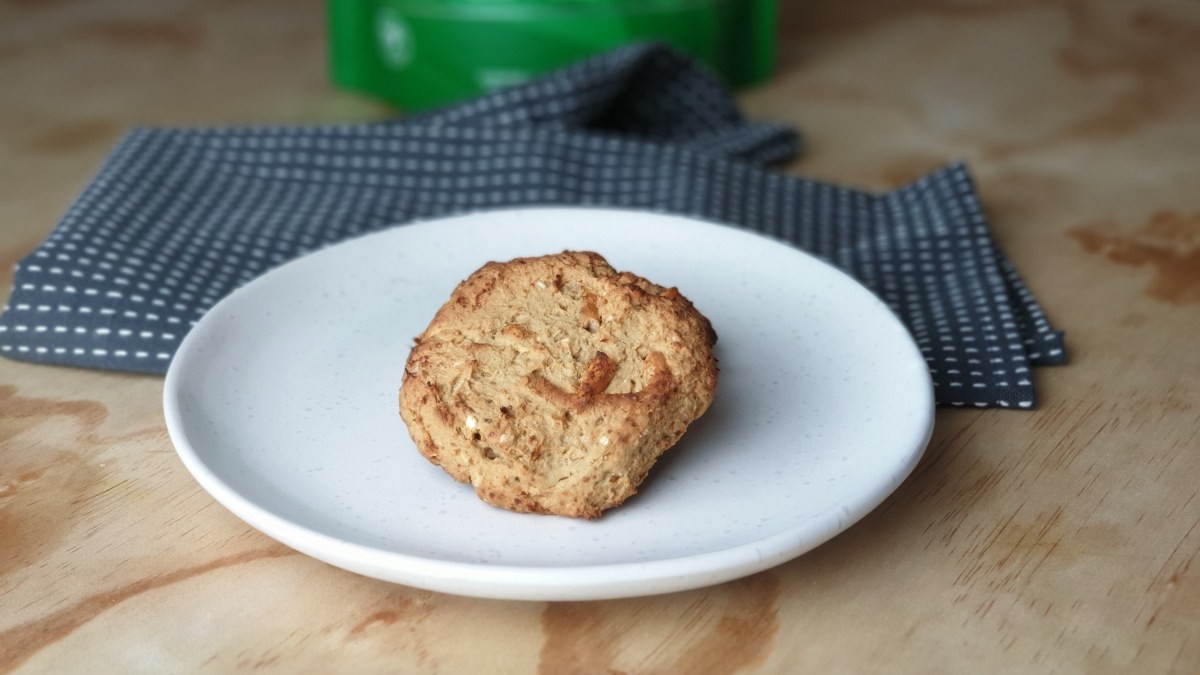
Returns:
point(552, 384)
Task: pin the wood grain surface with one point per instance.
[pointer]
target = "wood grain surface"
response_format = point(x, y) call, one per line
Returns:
point(1062, 540)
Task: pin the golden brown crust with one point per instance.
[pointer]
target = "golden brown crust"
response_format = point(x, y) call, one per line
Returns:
point(552, 384)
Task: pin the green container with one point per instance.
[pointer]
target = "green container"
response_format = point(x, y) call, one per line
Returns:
point(418, 54)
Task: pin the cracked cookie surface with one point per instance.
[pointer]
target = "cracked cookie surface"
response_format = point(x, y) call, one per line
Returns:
point(552, 384)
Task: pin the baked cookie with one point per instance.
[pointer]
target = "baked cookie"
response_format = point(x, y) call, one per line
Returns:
point(552, 384)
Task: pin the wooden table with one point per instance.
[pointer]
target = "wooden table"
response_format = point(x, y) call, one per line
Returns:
point(1059, 540)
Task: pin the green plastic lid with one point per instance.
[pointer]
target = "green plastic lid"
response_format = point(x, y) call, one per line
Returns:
point(419, 54)
point(629, 5)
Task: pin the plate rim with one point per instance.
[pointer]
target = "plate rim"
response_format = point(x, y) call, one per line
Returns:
point(533, 582)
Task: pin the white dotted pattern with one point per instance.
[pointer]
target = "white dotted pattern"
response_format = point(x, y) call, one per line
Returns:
point(177, 219)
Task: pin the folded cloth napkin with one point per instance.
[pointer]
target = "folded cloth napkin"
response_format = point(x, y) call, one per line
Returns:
point(177, 218)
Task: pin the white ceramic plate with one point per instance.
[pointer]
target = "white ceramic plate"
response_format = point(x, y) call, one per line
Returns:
point(282, 403)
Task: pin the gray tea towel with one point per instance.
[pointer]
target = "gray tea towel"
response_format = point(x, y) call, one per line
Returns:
point(175, 219)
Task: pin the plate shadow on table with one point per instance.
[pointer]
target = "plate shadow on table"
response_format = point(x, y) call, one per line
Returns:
point(951, 477)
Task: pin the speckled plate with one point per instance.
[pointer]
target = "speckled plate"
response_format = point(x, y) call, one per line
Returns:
point(282, 403)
